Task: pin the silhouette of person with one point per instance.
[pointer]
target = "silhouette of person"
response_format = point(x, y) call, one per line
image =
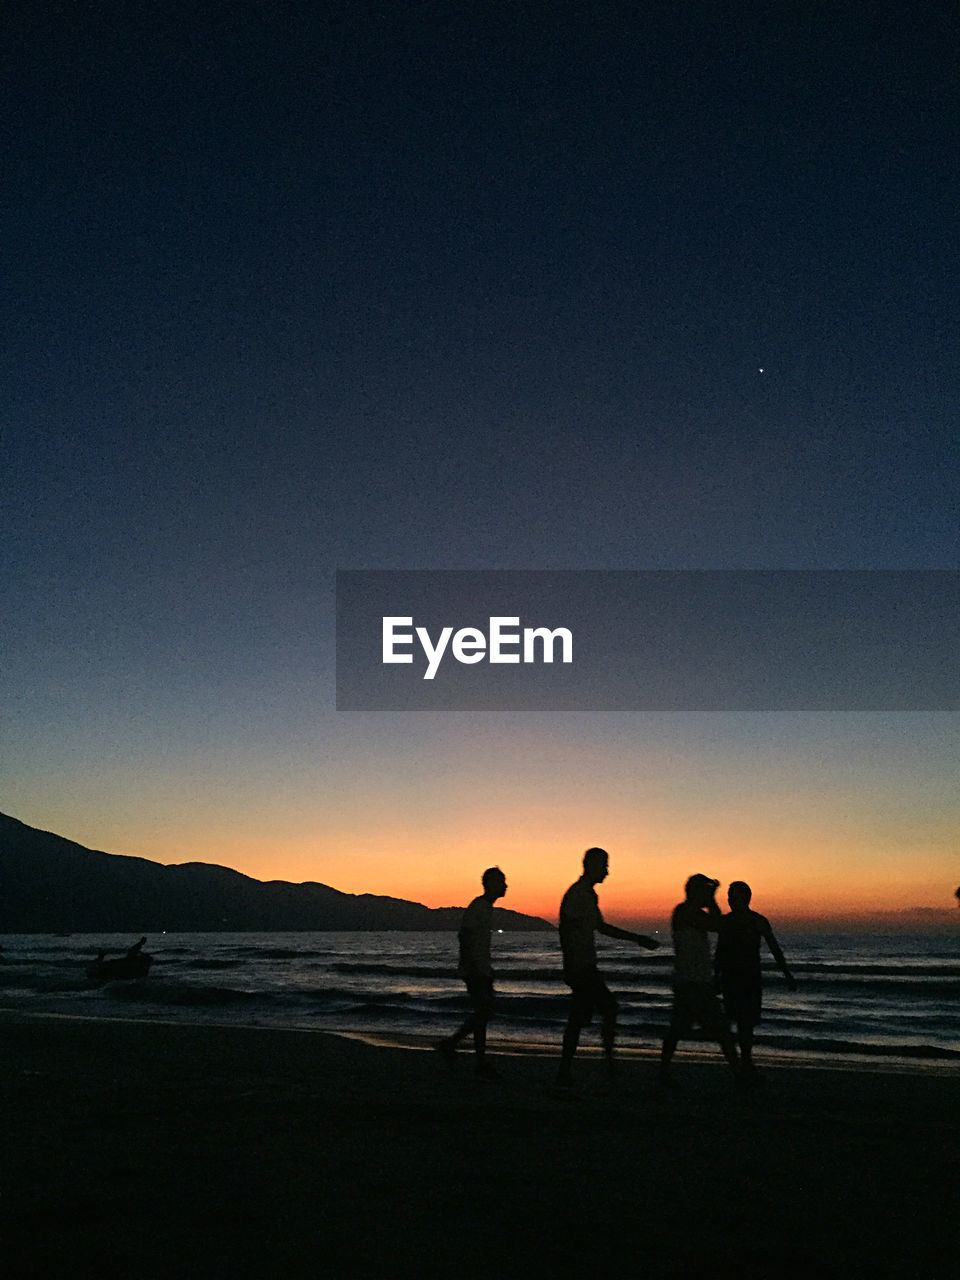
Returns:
point(580, 921)
point(695, 999)
point(737, 966)
point(134, 951)
point(476, 969)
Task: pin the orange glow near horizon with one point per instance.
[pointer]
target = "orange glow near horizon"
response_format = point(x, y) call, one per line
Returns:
point(825, 817)
point(800, 877)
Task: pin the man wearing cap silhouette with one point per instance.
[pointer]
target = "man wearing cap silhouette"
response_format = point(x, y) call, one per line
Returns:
point(695, 999)
point(580, 921)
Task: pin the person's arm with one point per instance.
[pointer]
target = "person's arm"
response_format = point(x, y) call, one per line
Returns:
point(625, 935)
point(711, 919)
point(777, 954)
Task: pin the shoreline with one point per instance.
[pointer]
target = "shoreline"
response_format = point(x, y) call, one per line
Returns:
point(695, 1050)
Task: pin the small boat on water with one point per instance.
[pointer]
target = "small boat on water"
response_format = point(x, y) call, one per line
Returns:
point(135, 964)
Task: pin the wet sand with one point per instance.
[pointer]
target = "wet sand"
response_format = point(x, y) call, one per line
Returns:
point(144, 1150)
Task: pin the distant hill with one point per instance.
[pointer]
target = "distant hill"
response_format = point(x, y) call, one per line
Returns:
point(52, 885)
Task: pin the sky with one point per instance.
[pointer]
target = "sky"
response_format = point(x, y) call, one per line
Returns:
point(297, 288)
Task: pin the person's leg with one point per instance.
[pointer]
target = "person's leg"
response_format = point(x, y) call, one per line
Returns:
point(714, 1021)
point(750, 1014)
point(680, 1024)
point(450, 1043)
point(606, 1002)
point(581, 1011)
point(571, 1038)
point(480, 1020)
point(741, 1009)
point(745, 1041)
point(481, 992)
point(481, 1000)
point(483, 1067)
point(671, 1040)
point(728, 1047)
point(608, 1034)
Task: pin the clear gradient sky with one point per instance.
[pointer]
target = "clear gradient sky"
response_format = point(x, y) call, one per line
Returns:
point(291, 288)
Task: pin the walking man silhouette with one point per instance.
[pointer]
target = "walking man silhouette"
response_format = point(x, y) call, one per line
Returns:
point(737, 966)
point(695, 998)
point(476, 969)
point(580, 921)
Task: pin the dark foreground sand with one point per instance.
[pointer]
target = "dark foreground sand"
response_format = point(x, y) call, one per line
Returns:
point(139, 1151)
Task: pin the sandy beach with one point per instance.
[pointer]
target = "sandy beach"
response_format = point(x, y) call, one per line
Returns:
point(137, 1149)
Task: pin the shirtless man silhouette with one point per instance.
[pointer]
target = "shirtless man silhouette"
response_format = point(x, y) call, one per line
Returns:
point(580, 921)
point(737, 966)
point(476, 970)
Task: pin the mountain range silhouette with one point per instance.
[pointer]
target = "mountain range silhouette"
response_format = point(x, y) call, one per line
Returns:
point(49, 884)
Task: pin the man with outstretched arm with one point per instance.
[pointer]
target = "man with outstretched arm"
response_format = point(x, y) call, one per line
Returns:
point(737, 966)
point(580, 921)
point(476, 970)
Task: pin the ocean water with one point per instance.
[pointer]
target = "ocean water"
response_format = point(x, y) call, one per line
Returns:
point(857, 997)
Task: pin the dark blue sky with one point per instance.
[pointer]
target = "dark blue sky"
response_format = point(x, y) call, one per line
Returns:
point(291, 287)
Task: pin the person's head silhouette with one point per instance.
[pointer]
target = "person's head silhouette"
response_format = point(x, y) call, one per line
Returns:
point(596, 864)
point(739, 895)
point(494, 883)
point(700, 889)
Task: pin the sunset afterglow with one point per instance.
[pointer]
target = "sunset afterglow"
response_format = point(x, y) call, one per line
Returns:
point(826, 815)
